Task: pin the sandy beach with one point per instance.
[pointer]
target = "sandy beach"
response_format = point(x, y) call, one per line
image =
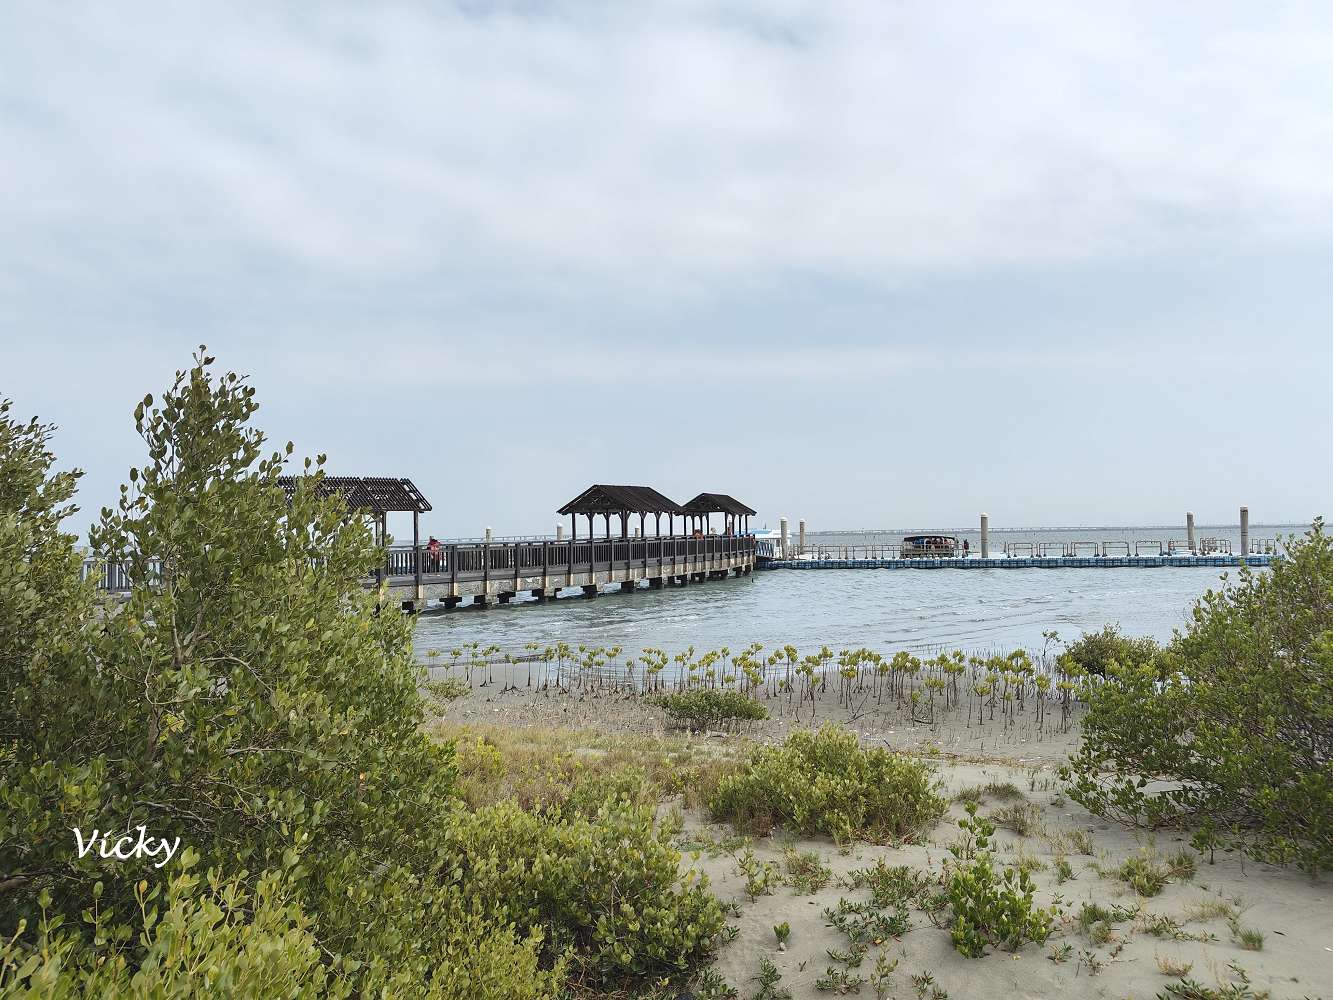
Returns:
point(1229, 924)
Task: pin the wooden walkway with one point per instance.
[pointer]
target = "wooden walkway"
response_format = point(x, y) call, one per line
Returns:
point(488, 572)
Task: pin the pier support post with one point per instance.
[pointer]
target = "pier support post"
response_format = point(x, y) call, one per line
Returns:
point(1189, 531)
point(800, 546)
point(559, 532)
point(488, 535)
point(450, 602)
point(481, 602)
point(985, 536)
point(590, 590)
point(1244, 531)
point(505, 596)
point(655, 582)
point(538, 594)
point(782, 539)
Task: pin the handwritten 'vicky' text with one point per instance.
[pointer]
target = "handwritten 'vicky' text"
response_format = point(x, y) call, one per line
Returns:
point(111, 846)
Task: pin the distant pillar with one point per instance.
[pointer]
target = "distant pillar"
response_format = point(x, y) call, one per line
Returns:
point(782, 543)
point(1245, 531)
point(1189, 530)
point(985, 536)
point(800, 547)
point(559, 532)
point(488, 534)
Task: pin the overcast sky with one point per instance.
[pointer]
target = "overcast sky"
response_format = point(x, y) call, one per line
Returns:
point(873, 264)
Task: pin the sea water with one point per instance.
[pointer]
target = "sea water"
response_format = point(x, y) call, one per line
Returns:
point(975, 610)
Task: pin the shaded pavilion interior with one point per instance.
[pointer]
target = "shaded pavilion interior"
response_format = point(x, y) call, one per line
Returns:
point(735, 515)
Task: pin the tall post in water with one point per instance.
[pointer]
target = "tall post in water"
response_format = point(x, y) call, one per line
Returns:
point(559, 532)
point(985, 536)
point(782, 541)
point(1189, 531)
point(1245, 531)
point(800, 547)
point(488, 534)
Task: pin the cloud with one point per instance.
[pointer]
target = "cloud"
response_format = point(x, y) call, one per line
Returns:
point(499, 244)
point(660, 144)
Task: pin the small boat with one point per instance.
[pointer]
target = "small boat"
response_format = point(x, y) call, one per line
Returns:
point(929, 547)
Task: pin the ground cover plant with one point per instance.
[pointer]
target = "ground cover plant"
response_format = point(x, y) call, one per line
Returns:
point(705, 707)
point(249, 698)
point(990, 907)
point(1236, 716)
point(825, 782)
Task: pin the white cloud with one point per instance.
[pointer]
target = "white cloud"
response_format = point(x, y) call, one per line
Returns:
point(661, 143)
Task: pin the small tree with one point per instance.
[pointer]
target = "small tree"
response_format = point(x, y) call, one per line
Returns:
point(1094, 652)
point(1241, 726)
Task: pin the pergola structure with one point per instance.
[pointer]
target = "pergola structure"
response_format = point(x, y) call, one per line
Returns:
point(731, 509)
point(622, 501)
point(377, 496)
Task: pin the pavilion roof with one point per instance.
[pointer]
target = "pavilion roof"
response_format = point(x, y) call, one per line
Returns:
point(377, 494)
point(602, 499)
point(716, 503)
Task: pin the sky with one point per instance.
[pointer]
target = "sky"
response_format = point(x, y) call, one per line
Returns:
point(871, 264)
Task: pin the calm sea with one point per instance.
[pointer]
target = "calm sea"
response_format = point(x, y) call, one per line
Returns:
point(918, 610)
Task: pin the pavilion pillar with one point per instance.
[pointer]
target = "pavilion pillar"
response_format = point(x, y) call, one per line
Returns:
point(416, 554)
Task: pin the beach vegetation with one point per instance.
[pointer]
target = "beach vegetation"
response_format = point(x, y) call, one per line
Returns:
point(249, 699)
point(992, 907)
point(824, 782)
point(703, 708)
point(1096, 652)
point(1233, 718)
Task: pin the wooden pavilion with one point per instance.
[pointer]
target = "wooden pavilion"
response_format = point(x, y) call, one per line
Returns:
point(735, 515)
point(621, 501)
point(374, 495)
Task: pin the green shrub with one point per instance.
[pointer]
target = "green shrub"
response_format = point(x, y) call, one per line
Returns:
point(1095, 652)
point(609, 887)
point(249, 698)
point(704, 707)
point(825, 783)
point(216, 936)
point(1238, 730)
point(990, 907)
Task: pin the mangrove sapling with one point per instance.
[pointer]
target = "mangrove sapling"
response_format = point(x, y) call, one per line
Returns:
point(990, 908)
point(768, 979)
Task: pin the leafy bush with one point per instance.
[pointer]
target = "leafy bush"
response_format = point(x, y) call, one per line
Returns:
point(704, 707)
point(609, 887)
point(825, 783)
point(990, 908)
point(1239, 730)
point(209, 936)
point(249, 698)
point(1095, 652)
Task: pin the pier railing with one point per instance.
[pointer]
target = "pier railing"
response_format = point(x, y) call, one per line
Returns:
point(1046, 550)
point(469, 562)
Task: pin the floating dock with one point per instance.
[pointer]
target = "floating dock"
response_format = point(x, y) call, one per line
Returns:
point(1025, 562)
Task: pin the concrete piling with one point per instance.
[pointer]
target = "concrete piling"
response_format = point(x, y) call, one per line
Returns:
point(800, 545)
point(782, 541)
point(1245, 531)
point(488, 534)
point(559, 532)
point(985, 536)
point(1189, 531)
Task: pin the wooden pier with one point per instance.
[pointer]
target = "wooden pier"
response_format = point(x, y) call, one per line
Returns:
point(496, 572)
